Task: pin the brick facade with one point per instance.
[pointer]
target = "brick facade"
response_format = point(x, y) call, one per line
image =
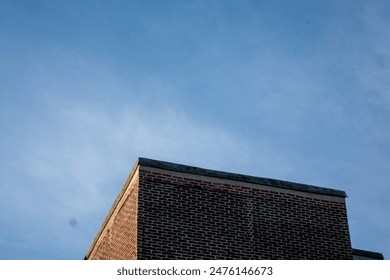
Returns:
point(118, 238)
point(170, 211)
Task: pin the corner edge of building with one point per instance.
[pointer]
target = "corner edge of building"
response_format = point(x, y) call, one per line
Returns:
point(112, 209)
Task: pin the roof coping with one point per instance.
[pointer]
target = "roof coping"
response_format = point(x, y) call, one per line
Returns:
point(367, 254)
point(239, 177)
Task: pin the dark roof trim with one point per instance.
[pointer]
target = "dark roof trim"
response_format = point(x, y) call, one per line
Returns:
point(368, 254)
point(240, 177)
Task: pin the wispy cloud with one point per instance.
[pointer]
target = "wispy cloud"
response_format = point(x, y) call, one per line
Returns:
point(297, 93)
point(374, 75)
point(69, 168)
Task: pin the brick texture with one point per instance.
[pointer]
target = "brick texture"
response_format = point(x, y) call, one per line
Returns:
point(181, 218)
point(173, 215)
point(118, 239)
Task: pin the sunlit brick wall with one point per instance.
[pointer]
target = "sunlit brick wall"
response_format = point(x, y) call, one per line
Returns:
point(118, 239)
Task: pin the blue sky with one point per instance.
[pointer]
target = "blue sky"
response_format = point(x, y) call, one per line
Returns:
point(291, 90)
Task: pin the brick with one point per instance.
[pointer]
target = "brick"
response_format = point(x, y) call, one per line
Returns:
point(174, 212)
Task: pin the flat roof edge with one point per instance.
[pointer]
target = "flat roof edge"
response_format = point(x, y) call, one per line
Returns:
point(370, 254)
point(239, 177)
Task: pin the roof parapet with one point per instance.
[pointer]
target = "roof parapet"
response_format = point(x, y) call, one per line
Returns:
point(239, 177)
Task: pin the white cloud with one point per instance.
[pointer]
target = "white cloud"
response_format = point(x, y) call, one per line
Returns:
point(75, 163)
point(376, 70)
point(82, 126)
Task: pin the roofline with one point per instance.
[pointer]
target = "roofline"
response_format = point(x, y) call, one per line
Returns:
point(113, 207)
point(211, 173)
point(369, 254)
point(240, 177)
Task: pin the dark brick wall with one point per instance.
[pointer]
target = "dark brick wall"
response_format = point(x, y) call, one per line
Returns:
point(181, 212)
point(187, 218)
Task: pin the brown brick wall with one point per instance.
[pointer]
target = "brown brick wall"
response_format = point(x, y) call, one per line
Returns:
point(194, 217)
point(170, 214)
point(118, 239)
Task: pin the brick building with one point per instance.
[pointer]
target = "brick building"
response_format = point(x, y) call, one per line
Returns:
point(172, 211)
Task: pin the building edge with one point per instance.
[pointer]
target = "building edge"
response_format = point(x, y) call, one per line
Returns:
point(113, 207)
point(359, 254)
point(240, 177)
point(141, 161)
